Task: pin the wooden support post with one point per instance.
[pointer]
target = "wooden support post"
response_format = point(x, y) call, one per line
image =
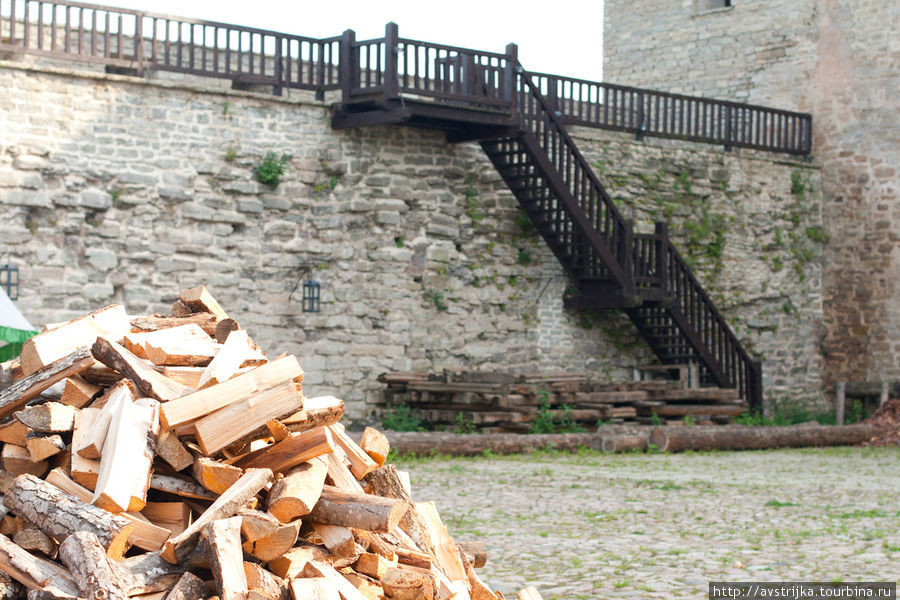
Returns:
point(348, 64)
point(884, 394)
point(391, 79)
point(840, 397)
point(661, 229)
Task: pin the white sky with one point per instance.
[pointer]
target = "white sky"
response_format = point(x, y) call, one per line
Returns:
point(562, 37)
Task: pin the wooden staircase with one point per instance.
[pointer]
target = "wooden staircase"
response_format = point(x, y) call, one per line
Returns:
point(490, 98)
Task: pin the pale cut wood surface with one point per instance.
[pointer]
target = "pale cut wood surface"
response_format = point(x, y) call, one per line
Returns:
point(288, 453)
point(295, 495)
point(19, 393)
point(223, 550)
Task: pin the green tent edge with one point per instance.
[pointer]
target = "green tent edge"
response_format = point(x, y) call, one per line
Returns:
point(14, 339)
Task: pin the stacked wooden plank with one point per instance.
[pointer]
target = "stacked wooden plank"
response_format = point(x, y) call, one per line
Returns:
point(506, 402)
point(168, 457)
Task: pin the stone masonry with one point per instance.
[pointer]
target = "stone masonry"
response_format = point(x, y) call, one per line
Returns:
point(117, 189)
point(837, 60)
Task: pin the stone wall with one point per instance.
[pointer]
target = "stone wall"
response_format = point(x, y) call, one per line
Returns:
point(836, 60)
point(117, 189)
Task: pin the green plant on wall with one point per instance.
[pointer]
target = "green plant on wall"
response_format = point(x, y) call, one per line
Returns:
point(435, 297)
point(270, 169)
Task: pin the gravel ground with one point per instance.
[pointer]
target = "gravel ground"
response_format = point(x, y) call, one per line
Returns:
point(663, 526)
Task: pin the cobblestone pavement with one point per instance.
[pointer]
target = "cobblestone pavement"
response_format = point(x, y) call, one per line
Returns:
point(663, 526)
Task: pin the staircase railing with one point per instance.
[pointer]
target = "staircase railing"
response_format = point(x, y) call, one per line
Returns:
point(593, 209)
point(661, 114)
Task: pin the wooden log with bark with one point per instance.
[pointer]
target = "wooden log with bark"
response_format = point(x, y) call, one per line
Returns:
point(678, 439)
point(361, 511)
point(59, 515)
point(297, 492)
point(93, 572)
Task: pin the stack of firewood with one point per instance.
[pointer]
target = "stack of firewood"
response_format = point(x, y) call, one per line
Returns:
point(167, 457)
point(494, 402)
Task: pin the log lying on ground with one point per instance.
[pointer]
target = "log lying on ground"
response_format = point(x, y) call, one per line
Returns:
point(678, 439)
point(496, 443)
point(623, 443)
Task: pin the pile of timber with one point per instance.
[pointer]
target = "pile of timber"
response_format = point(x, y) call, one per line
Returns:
point(497, 402)
point(166, 457)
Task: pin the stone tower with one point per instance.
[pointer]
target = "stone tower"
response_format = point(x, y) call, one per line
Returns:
point(840, 61)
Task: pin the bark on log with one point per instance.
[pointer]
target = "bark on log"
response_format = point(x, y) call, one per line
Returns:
point(147, 380)
point(402, 584)
point(360, 511)
point(264, 584)
point(59, 515)
point(95, 575)
point(150, 573)
point(474, 444)
point(623, 443)
point(677, 439)
point(317, 412)
point(19, 393)
point(205, 321)
point(297, 493)
point(476, 553)
point(385, 481)
point(10, 589)
point(189, 587)
point(33, 572)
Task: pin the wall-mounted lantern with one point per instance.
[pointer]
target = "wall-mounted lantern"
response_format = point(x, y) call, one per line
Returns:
point(311, 290)
point(9, 280)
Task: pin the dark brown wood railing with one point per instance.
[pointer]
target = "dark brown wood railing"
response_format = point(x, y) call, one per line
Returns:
point(661, 114)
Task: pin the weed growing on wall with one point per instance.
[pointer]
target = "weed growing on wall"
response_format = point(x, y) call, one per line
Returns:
point(270, 169)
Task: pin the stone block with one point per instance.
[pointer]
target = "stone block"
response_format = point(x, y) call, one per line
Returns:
point(100, 259)
point(18, 197)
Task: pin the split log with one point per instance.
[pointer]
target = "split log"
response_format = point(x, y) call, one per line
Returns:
point(338, 474)
point(149, 573)
point(189, 587)
point(317, 412)
point(35, 540)
point(184, 354)
point(95, 574)
point(224, 328)
point(290, 564)
point(78, 392)
point(35, 573)
point(360, 463)
point(445, 550)
point(13, 431)
point(474, 444)
point(41, 446)
point(314, 588)
point(403, 584)
point(59, 514)
point(49, 417)
point(385, 481)
point(529, 593)
point(223, 550)
point(476, 553)
point(189, 376)
point(50, 346)
point(205, 321)
point(677, 439)
point(375, 444)
point(288, 453)
point(277, 430)
point(240, 419)
point(263, 585)
point(296, 494)
point(623, 443)
point(321, 569)
point(10, 589)
point(373, 565)
point(170, 449)
point(198, 299)
point(361, 511)
point(226, 505)
point(203, 402)
point(180, 487)
point(145, 535)
point(84, 470)
point(19, 393)
point(214, 475)
point(145, 377)
point(256, 524)
point(478, 589)
point(338, 539)
point(275, 545)
point(17, 461)
point(128, 457)
point(172, 516)
point(137, 343)
point(230, 357)
point(91, 440)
